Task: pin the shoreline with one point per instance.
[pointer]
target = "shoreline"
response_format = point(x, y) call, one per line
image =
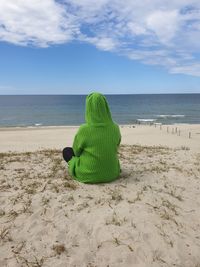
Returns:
point(2, 128)
point(21, 139)
point(18, 128)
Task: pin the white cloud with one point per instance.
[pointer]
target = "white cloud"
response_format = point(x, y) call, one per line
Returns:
point(103, 43)
point(193, 69)
point(35, 22)
point(164, 24)
point(135, 28)
point(156, 32)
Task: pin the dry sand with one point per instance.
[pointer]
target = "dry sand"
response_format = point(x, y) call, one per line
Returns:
point(150, 216)
point(34, 138)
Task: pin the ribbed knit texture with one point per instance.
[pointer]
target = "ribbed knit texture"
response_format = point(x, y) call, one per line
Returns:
point(95, 144)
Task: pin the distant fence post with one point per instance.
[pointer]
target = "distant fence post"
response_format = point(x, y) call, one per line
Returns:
point(189, 134)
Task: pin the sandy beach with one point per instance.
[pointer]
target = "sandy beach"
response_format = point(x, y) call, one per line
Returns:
point(58, 137)
point(150, 216)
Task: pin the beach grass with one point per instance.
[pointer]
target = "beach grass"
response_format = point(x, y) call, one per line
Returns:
point(46, 216)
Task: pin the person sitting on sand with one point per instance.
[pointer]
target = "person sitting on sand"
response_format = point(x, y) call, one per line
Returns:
point(93, 157)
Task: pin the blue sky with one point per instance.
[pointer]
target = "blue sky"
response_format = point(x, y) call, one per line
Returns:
point(76, 46)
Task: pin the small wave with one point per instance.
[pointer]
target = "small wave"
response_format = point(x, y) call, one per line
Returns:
point(170, 116)
point(37, 124)
point(146, 120)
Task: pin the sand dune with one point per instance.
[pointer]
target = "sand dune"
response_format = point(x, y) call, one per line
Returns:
point(148, 217)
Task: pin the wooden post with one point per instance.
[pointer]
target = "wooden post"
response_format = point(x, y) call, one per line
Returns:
point(189, 134)
point(176, 129)
point(167, 129)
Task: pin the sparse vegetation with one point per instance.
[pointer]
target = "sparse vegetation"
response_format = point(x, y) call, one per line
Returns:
point(116, 195)
point(42, 204)
point(115, 220)
point(59, 248)
point(5, 234)
point(185, 148)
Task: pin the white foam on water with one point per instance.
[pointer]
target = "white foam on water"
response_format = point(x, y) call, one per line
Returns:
point(170, 116)
point(146, 120)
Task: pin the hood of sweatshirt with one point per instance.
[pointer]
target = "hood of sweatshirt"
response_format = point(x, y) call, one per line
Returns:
point(97, 110)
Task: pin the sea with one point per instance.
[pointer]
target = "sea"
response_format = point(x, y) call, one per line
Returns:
point(57, 110)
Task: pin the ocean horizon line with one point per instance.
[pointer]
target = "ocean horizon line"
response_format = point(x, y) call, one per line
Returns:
point(99, 92)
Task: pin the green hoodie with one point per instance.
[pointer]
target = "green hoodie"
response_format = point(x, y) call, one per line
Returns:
point(95, 144)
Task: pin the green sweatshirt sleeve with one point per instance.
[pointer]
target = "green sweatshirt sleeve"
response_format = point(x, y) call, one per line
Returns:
point(78, 144)
point(120, 137)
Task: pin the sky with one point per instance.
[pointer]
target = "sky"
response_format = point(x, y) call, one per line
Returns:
point(111, 46)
